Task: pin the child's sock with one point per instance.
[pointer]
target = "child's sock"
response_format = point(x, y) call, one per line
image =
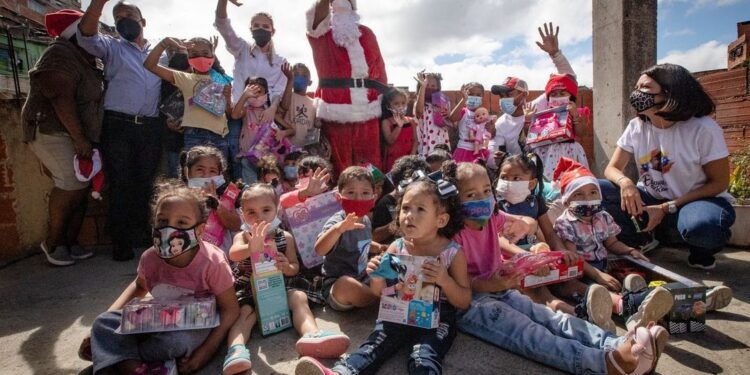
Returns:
point(617, 304)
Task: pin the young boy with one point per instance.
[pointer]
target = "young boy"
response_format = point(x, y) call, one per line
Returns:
point(298, 109)
point(587, 229)
point(346, 242)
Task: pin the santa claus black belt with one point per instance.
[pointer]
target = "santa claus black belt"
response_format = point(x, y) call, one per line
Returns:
point(352, 83)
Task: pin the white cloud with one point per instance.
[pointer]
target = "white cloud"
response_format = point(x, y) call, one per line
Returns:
point(411, 33)
point(682, 32)
point(707, 56)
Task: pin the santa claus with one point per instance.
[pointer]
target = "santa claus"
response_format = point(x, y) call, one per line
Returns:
point(351, 77)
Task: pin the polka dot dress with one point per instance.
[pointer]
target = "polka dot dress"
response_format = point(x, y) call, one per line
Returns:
point(429, 135)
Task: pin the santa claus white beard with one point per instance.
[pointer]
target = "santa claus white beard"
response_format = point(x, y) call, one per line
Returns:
point(345, 28)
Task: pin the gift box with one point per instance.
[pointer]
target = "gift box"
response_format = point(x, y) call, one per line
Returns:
point(142, 315)
point(550, 126)
point(415, 303)
point(688, 312)
point(440, 101)
point(271, 305)
point(306, 221)
point(214, 230)
point(559, 272)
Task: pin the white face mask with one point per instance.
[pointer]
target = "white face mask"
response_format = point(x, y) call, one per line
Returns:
point(201, 182)
point(513, 192)
point(558, 102)
point(274, 224)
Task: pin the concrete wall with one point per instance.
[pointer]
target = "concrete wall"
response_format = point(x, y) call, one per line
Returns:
point(624, 44)
point(23, 188)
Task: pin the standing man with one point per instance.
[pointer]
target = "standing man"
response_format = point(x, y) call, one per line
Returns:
point(352, 77)
point(131, 134)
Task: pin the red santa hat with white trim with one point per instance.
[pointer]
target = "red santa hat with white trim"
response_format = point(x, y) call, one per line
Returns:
point(63, 23)
point(572, 176)
point(90, 169)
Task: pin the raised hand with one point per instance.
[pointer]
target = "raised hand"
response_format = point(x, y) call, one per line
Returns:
point(317, 182)
point(350, 223)
point(256, 236)
point(174, 44)
point(529, 109)
point(236, 2)
point(214, 42)
point(286, 68)
point(549, 42)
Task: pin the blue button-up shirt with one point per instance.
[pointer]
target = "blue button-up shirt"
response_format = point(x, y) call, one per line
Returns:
point(131, 89)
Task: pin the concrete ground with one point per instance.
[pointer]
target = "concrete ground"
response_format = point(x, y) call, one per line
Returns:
point(46, 311)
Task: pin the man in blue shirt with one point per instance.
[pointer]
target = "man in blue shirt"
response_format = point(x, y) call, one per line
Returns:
point(131, 134)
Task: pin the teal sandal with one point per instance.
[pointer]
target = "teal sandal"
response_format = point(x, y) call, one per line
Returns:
point(237, 360)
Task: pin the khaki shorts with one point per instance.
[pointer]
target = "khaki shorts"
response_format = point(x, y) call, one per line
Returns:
point(56, 154)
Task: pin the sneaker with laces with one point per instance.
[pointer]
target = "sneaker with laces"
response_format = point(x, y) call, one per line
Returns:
point(322, 344)
point(596, 307)
point(79, 253)
point(645, 306)
point(718, 297)
point(59, 256)
point(633, 283)
point(311, 366)
point(702, 266)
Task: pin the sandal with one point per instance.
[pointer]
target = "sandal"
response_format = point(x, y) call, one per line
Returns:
point(643, 349)
point(237, 360)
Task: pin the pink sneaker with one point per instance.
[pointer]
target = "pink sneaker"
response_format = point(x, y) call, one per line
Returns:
point(322, 344)
point(311, 366)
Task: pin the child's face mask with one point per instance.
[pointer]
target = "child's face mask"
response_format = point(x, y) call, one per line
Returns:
point(473, 102)
point(508, 105)
point(300, 83)
point(291, 172)
point(201, 64)
point(246, 227)
point(258, 102)
point(201, 182)
point(513, 192)
point(479, 211)
point(171, 242)
point(558, 101)
point(359, 207)
point(398, 110)
point(586, 208)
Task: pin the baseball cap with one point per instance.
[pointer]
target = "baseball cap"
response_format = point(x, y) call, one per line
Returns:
point(511, 83)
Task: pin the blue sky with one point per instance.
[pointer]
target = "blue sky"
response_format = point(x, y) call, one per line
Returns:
point(466, 40)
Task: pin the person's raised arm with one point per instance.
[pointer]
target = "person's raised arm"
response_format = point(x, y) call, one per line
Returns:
point(60, 89)
point(550, 45)
point(152, 61)
point(321, 12)
point(234, 43)
point(89, 24)
point(419, 103)
point(328, 238)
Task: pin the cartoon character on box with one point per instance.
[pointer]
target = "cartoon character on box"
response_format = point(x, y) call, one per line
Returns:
point(393, 271)
point(422, 313)
point(410, 288)
point(265, 142)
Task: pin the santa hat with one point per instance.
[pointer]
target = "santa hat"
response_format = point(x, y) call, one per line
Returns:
point(572, 176)
point(62, 23)
point(90, 170)
point(565, 82)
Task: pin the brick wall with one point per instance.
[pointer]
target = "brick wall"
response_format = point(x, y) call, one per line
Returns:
point(8, 229)
point(731, 93)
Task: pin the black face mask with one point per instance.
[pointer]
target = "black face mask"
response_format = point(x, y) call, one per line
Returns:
point(129, 29)
point(261, 37)
point(642, 101)
point(179, 61)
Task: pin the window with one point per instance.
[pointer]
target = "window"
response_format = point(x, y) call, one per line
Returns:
point(37, 6)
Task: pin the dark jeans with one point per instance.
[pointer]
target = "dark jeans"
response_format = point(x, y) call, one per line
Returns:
point(233, 140)
point(703, 224)
point(201, 137)
point(429, 346)
point(131, 158)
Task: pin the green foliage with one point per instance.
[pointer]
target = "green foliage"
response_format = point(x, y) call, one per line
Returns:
point(739, 180)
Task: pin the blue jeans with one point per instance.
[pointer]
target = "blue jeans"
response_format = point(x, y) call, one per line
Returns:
point(202, 137)
point(511, 321)
point(703, 224)
point(248, 172)
point(233, 141)
point(109, 348)
point(429, 346)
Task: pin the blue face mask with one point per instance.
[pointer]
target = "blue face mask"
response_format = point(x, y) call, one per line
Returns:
point(479, 211)
point(300, 83)
point(508, 106)
point(290, 172)
point(586, 208)
point(473, 102)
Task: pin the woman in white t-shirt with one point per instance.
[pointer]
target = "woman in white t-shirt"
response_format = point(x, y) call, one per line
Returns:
point(682, 162)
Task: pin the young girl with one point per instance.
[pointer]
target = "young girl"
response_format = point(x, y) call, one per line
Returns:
point(201, 125)
point(467, 124)
point(438, 156)
point(167, 271)
point(399, 131)
point(203, 167)
point(429, 134)
point(259, 203)
point(428, 216)
point(291, 171)
point(510, 320)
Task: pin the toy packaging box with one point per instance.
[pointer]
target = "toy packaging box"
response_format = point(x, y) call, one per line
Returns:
point(529, 264)
point(550, 126)
point(142, 315)
point(414, 303)
point(214, 230)
point(269, 292)
point(306, 221)
point(688, 312)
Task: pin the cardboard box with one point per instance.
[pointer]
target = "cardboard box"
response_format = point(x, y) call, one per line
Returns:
point(271, 304)
point(558, 273)
point(416, 303)
point(688, 312)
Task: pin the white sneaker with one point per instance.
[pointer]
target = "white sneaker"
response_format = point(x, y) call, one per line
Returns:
point(718, 297)
point(657, 303)
point(79, 253)
point(59, 256)
point(649, 246)
point(633, 283)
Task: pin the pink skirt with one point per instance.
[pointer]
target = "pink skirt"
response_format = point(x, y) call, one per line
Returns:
point(464, 155)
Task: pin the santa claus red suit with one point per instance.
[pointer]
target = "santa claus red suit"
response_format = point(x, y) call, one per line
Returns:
point(351, 75)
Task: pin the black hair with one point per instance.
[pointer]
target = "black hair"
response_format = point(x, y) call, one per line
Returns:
point(165, 189)
point(684, 97)
point(529, 163)
point(262, 83)
point(438, 154)
point(392, 93)
point(354, 173)
point(451, 205)
point(438, 78)
point(190, 157)
point(258, 189)
point(451, 170)
point(405, 166)
point(312, 162)
point(126, 4)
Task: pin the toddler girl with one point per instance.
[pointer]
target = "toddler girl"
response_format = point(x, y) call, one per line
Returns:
point(399, 131)
point(428, 216)
point(430, 134)
point(259, 205)
point(470, 128)
point(510, 320)
point(167, 271)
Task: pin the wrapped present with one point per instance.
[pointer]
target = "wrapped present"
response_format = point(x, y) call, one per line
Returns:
point(306, 220)
point(440, 101)
point(265, 143)
point(550, 126)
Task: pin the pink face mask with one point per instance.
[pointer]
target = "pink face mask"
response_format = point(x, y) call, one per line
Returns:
point(258, 102)
point(201, 64)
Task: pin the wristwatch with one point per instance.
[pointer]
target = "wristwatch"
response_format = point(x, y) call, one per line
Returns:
point(671, 207)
